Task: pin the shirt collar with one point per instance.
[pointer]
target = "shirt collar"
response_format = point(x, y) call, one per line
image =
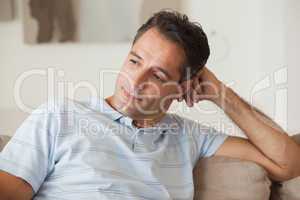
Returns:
point(105, 108)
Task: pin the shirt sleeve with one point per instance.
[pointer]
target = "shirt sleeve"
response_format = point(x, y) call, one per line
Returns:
point(207, 140)
point(29, 154)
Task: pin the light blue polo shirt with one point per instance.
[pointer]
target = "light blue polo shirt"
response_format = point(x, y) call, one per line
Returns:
point(89, 151)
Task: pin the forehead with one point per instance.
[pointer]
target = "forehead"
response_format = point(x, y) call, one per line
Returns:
point(156, 49)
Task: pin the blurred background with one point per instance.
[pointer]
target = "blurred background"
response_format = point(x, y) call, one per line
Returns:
point(254, 49)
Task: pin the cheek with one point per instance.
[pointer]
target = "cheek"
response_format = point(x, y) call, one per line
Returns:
point(153, 91)
point(120, 80)
point(170, 90)
point(168, 95)
point(159, 97)
point(161, 92)
point(123, 76)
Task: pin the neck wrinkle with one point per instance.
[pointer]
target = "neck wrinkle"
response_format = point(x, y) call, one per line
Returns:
point(145, 123)
point(140, 123)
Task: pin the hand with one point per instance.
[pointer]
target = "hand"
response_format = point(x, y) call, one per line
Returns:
point(204, 86)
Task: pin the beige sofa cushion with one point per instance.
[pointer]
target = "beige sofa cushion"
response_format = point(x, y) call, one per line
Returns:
point(288, 190)
point(3, 140)
point(224, 178)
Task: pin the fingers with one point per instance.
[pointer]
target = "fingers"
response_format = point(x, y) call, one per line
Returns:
point(191, 98)
point(180, 94)
point(188, 100)
point(197, 85)
point(191, 91)
point(180, 98)
point(185, 87)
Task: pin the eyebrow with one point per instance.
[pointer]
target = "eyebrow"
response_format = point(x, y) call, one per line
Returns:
point(157, 67)
point(136, 55)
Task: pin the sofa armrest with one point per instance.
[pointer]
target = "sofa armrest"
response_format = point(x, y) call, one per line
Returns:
point(287, 190)
point(222, 178)
point(3, 141)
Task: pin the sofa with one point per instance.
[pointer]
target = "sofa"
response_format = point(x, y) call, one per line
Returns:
point(224, 178)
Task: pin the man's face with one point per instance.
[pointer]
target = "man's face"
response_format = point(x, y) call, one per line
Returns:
point(148, 81)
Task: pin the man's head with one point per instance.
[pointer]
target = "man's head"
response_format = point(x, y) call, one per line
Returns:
point(190, 36)
point(166, 50)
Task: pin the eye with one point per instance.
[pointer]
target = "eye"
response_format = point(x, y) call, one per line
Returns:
point(158, 78)
point(133, 61)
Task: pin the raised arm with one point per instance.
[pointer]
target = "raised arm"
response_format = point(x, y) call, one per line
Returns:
point(268, 144)
point(272, 141)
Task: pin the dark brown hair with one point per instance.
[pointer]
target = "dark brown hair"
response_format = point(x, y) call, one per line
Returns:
point(189, 35)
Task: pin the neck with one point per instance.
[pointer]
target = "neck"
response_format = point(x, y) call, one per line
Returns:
point(142, 122)
point(148, 122)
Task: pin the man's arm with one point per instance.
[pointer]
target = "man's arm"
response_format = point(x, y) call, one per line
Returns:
point(268, 144)
point(26, 159)
point(14, 188)
point(237, 147)
point(262, 133)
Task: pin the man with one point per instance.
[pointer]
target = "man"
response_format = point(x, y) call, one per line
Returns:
point(126, 146)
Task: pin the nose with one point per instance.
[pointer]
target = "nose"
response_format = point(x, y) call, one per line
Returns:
point(138, 81)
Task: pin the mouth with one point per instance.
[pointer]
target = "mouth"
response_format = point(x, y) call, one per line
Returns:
point(128, 95)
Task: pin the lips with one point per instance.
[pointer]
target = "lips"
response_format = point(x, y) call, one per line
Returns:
point(129, 95)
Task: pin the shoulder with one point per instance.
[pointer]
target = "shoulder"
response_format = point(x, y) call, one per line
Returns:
point(184, 121)
point(193, 126)
point(52, 115)
point(62, 106)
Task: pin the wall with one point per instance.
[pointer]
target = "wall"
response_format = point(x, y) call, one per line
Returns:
point(80, 62)
point(293, 49)
point(247, 49)
point(248, 53)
